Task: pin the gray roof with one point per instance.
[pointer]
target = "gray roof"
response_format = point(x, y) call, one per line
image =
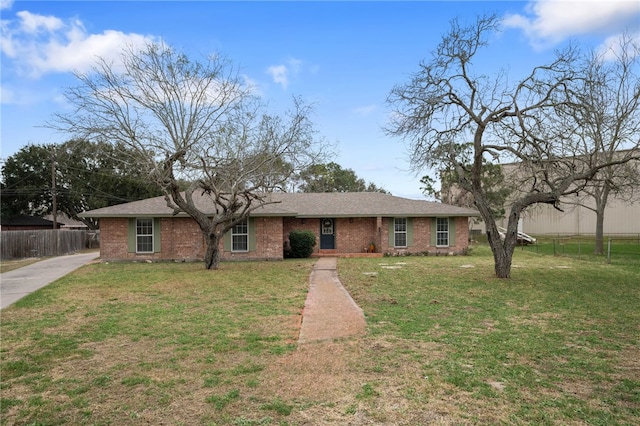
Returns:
point(308, 205)
point(67, 222)
point(27, 221)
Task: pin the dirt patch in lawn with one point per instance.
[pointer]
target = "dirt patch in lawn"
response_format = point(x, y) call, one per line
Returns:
point(315, 371)
point(359, 382)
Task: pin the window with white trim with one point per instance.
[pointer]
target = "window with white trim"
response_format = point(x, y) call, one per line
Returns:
point(442, 231)
point(144, 235)
point(400, 232)
point(240, 236)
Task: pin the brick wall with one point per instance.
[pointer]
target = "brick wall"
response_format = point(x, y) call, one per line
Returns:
point(113, 238)
point(181, 238)
point(269, 243)
point(353, 235)
point(356, 234)
point(421, 234)
point(422, 237)
point(462, 234)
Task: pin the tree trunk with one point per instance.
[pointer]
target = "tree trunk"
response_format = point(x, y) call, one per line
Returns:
point(599, 231)
point(503, 250)
point(501, 254)
point(502, 260)
point(601, 203)
point(212, 255)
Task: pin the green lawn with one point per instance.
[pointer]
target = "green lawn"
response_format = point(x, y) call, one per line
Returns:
point(447, 343)
point(559, 343)
point(128, 343)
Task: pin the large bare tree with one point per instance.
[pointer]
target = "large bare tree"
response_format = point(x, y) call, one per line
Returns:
point(446, 104)
point(607, 105)
point(193, 121)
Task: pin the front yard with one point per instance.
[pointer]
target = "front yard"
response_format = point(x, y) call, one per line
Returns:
point(446, 344)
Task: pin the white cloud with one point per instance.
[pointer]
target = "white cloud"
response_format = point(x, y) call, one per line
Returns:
point(548, 22)
point(6, 4)
point(365, 110)
point(282, 74)
point(612, 47)
point(31, 23)
point(38, 44)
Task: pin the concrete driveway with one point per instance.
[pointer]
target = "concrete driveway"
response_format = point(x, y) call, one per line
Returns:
point(16, 284)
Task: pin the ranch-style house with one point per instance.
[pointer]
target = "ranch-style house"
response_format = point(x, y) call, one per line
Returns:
point(345, 224)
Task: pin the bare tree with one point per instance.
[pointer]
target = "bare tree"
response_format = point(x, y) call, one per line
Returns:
point(193, 121)
point(445, 104)
point(607, 105)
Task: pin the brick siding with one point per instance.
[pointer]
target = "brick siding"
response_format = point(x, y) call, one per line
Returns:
point(462, 234)
point(181, 238)
point(422, 238)
point(269, 244)
point(113, 238)
point(353, 235)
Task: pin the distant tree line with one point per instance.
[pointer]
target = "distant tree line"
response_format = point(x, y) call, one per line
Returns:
point(331, 177)
point(82, 175)
point(92, 175)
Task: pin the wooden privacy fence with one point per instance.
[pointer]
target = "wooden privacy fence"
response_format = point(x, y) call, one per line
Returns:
point(41, 243)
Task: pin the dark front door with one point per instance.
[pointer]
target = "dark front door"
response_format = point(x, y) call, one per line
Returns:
point(327, 234)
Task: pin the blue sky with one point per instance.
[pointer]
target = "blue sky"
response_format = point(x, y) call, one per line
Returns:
point(344, 57)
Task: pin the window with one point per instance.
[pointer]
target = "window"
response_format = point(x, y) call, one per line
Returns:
point(327, 227)
point(240, 236)
point(400, 232)
point(442, 231)
point(144, 235)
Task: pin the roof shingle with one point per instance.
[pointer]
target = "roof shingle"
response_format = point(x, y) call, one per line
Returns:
point(328, 204)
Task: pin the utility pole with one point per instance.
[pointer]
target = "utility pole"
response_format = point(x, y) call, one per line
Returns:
point(54, 200)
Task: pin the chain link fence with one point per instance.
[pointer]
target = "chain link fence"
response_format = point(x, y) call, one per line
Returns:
point(617, 248)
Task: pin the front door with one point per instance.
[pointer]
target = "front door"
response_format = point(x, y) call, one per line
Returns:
point(327, 234)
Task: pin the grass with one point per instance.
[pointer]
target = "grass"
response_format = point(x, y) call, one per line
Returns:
point(446, 343)
point(10, 265)
point(559, 343)
point(112, 343)
point(623, 251)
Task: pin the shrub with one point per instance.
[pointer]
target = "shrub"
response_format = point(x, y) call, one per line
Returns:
point(301, 244)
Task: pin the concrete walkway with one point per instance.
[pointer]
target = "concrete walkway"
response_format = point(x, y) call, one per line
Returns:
point(16, 284)
point(329, 311)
